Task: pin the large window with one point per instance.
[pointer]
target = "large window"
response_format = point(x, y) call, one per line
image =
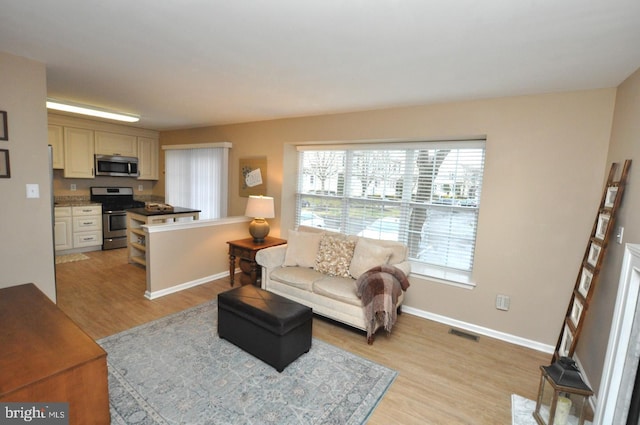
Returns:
point(196, 177)
point(426, 195)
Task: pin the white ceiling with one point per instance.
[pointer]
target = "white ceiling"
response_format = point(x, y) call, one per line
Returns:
point(189, 63)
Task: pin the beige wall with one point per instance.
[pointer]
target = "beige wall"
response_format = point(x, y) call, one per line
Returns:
point(625, 144)
point(545, 164)
point(26, 239)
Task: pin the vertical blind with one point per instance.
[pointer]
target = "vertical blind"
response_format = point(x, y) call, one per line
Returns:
point(197, 178)
point(426, 195)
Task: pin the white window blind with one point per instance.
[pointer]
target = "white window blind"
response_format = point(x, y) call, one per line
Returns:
point(197, 178)
point(425, 195)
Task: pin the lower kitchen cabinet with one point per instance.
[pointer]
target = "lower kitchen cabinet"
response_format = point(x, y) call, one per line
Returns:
point(87, 226)
point(78, 228)
point(63, 230)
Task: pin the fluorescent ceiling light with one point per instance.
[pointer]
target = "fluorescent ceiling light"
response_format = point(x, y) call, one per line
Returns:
point(90, 110)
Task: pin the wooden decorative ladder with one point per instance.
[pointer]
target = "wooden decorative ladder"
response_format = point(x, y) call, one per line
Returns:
point(591, 262)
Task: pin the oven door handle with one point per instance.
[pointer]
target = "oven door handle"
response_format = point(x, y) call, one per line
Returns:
point(114, 212)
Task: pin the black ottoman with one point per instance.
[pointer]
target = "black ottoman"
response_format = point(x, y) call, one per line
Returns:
point(270, 327)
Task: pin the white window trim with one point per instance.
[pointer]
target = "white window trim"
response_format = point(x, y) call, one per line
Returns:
point(227, 145)
point(444, 276)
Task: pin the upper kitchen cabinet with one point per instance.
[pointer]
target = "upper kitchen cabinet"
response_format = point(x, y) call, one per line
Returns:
point(148, 151)
point(116, 144)
point(57, 144)
point(79, 151)
point(80, 139)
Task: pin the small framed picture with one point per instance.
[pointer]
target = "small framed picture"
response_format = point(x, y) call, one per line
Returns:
point(4, 127)
point(576, 312)
point(594, 254)
point(603, 223)
point(565, 344)
point(610, 198)
point(585, 282)
point(5, 169)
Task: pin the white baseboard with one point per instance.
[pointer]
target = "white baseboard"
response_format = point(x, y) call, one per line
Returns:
point(183, 286)
point(545, 348)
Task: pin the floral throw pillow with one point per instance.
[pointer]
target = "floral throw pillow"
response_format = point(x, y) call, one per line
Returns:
point(334, 255)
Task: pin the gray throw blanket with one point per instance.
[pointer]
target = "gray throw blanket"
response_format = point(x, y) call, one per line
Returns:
point(379, 289)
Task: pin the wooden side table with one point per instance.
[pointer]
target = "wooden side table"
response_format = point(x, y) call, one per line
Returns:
point(245, 250)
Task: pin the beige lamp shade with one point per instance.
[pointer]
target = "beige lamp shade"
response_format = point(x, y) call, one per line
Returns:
point(259, 207)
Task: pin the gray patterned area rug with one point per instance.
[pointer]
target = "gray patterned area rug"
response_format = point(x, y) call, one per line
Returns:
point(177, 371)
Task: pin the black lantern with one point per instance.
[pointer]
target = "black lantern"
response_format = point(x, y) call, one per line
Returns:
point(563, 395)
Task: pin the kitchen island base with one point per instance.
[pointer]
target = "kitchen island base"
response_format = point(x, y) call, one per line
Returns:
point(138, 217)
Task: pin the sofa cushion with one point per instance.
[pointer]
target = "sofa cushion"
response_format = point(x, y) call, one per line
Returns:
point(298, 277)
point(302, 249)
point(334, 255)
point(399, 250)
point(341, 289)
point(367, 255)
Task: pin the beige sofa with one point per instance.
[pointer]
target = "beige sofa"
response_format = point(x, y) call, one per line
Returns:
point(319, 269)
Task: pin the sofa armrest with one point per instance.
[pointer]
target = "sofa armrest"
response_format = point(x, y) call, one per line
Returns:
point(270, 258)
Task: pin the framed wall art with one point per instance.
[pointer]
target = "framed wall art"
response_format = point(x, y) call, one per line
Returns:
point(567, 340)
point(594, 254)
point(5, 169)
point(253, 176)
point(585, 282)
point(610, 197)
point(4, 126)
point(601, 227)
point(576, 312)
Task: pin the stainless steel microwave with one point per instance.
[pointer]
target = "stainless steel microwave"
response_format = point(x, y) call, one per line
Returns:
point(116, 165)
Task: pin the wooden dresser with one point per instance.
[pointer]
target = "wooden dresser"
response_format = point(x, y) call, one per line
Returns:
point(45, 357)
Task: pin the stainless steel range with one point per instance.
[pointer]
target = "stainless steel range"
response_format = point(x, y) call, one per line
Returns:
point(115, 201)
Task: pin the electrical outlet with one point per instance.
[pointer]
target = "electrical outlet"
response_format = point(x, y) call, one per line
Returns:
point(503, 302)
point(140, 188)
point(73, 186)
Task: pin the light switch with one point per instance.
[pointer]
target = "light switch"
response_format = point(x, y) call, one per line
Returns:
point(33, 190)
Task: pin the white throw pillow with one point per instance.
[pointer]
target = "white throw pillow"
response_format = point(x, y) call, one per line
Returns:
point(302, 249)
point(368, 255)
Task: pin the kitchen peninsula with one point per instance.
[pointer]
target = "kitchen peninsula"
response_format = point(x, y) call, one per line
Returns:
point(138, 217)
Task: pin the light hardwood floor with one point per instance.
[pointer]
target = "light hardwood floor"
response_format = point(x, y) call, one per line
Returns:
point(442, 378)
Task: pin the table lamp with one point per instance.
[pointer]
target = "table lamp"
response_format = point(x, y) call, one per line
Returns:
point(259, 207)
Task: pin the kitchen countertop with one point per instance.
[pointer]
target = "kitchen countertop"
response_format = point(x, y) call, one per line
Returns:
point(75, 203)
point(176, 210)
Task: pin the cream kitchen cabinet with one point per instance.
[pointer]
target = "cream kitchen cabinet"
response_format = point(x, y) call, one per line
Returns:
point(87, 226)
point(116, 144)
point(78, 228)
point(79, 151)
point(148, 151)
point(63, 233)
point(56, 140)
